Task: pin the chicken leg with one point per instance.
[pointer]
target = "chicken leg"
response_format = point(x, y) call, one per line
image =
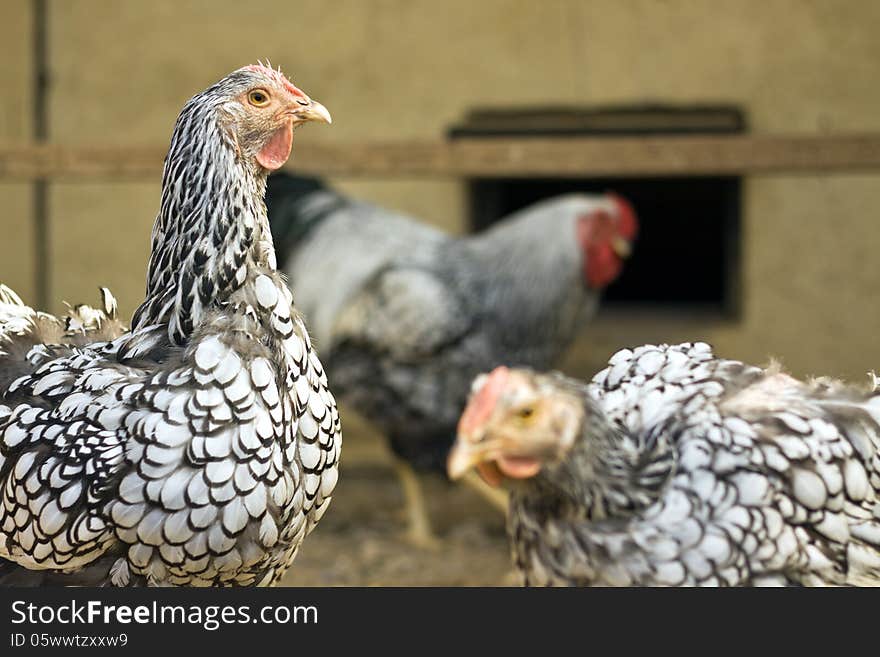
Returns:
point(419, 532)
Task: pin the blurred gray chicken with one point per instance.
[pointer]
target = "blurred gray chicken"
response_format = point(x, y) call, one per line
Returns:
point(677, 468)
point(405, 315)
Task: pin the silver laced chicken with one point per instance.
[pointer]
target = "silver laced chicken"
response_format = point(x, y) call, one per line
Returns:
point(407, 315)
point(674, 467)
point(201, 447)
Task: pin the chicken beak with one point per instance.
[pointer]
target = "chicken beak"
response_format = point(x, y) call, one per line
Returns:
point(621, 247)
point(462, 457)
point(314, 111)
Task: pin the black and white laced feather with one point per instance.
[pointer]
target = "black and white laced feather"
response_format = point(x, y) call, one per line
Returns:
point(695, 470)
point(201, 447)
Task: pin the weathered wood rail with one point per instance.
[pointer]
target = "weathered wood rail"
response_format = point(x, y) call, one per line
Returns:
point(487, 157)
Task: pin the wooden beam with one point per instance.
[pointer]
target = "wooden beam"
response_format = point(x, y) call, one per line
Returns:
point(594, 157)
point(497, 157)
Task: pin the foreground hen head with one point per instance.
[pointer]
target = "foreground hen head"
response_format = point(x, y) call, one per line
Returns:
point(605, 237)
point(516, 423)
point(212, 223)
point(257, 109)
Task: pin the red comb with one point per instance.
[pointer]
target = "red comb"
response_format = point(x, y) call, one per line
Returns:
point(279, 77)
point(480, 407)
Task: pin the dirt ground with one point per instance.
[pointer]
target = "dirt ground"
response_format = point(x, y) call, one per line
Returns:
point(359, 541)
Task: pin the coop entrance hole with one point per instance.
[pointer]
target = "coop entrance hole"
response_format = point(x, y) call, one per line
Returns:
point(688, 252)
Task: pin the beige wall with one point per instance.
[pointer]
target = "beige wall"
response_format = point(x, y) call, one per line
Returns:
point(16, 234)
point(397, 69)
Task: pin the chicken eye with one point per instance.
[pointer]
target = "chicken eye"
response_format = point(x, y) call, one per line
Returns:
point(258, 97)
point(525, 412)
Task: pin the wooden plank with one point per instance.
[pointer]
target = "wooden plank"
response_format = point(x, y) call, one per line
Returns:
point(30, 161)
point(607, 121)
point(499, 157)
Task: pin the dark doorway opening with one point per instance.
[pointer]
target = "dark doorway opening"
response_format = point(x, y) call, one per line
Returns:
point(688, 251)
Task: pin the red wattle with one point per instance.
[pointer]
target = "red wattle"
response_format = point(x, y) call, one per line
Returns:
point(490, 474)
point(276, 151)
point(519, 467)
point(602, 266)
point(627, 221)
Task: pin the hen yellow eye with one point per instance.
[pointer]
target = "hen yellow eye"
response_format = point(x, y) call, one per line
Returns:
point(258, 97)
point(525, 412)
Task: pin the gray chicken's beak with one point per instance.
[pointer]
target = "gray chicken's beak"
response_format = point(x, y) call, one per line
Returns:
point(314, 111)
point(621, 247)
